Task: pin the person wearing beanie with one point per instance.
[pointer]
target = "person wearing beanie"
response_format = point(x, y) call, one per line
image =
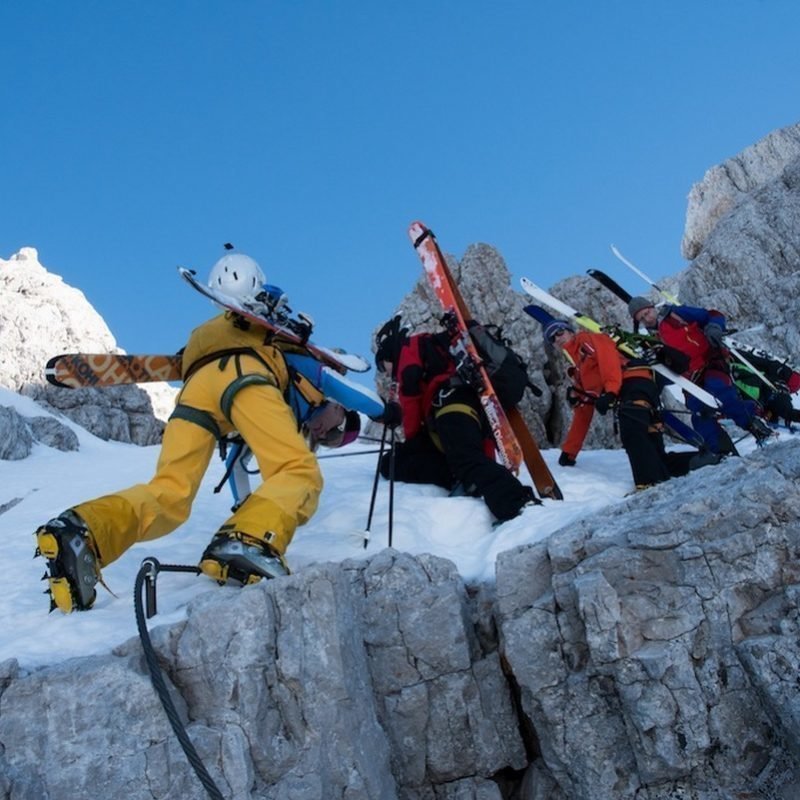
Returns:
point(604, 378)
point(596, 380)
point(699, 333)
point(553, 327)
point(637, 304)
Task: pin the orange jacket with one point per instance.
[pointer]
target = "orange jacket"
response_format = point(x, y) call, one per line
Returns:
point(597, 369)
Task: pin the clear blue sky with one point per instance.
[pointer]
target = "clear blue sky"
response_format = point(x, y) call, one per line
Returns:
point(137, 136)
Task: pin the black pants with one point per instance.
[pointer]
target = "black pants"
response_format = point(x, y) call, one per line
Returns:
point(457, 423)
point(642, 438)
point(418, 460)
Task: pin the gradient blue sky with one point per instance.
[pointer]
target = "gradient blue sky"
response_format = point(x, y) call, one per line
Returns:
point(137, 136)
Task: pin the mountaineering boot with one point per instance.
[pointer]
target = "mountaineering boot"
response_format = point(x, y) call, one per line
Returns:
point(761, 431)
point(704, 458)
point(242, 558)
point(66, 543)
point(526, 499)
point(460, 490)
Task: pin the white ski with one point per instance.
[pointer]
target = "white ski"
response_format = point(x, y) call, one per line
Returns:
point(592, 325)
point(671, 298)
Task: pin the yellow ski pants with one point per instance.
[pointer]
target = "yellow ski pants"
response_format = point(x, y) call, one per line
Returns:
point(286, 498)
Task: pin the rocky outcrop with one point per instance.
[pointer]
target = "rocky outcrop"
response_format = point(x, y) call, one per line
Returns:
point(40, 316)
point(671, 627)
point(115, 413)
point(749, 266)
point(18, 433)
point(649, 653)
point(39, 312)
point(485, 283)
point(359, 681)
point(725, 185)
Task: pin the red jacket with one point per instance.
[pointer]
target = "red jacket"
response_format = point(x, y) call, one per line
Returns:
point(683, 328)
point(424, 364)
point(597, 369)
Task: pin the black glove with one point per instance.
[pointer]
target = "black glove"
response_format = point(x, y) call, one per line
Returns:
point(566, 460)
point(779, 406)
point(653, 355)
point(392, 415)
point(604, 402)
point(572, 397)
point(714, 334)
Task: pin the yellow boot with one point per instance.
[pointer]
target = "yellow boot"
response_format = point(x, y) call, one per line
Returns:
point(245, 559)
point(67, 545)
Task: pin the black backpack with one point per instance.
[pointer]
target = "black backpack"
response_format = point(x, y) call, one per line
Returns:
point(506, 369)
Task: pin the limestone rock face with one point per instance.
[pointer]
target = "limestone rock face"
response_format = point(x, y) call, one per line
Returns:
point(39, 312)
point(16, 440)
point(654, 647)
point(749, 265)
point(651, 652)
point(353, 680)
point(726, 184)
point(115, 413)
point(41, 316)
point(18, 433)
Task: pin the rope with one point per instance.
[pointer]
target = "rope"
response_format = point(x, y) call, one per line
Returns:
point(149, 569)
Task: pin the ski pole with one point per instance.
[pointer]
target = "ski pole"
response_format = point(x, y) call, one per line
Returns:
point(347, 455)
point(391, 485)
point(375, 487)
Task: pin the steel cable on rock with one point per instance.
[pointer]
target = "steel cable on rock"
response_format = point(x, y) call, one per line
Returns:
point(157, 677)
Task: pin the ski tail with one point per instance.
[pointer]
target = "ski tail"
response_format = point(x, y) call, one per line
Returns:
point(669, 297)
point(682, 431)
point(541, 315)
point(610, 284)
point(82, 370)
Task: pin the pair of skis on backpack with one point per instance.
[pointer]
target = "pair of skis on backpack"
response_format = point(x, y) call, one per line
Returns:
point(79, 370)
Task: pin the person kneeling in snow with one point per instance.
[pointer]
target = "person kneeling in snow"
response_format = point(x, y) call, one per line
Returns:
point(236, 377)
point(448, 442)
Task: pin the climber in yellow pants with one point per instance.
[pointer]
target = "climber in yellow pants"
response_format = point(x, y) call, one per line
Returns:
point(233, 381)
point(291, 477)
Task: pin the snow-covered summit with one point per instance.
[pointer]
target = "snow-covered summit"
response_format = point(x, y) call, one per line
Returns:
point(41, 316)
point(39, 311)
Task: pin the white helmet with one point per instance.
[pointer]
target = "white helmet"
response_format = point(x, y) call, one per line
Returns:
point(237, 276)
